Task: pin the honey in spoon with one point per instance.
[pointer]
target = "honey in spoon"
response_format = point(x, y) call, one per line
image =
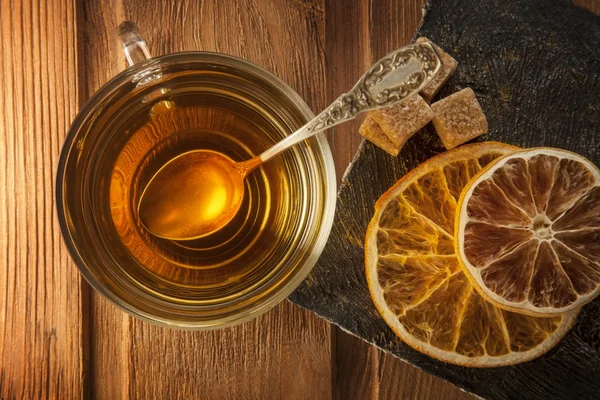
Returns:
point(194, 195)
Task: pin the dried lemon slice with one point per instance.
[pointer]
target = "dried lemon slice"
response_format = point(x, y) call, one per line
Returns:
point(528, 231)
point(417, 284)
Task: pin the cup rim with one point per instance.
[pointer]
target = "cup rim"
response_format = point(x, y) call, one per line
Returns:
point(319, 241)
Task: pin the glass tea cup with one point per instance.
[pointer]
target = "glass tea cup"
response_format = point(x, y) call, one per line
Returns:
point(158, 108)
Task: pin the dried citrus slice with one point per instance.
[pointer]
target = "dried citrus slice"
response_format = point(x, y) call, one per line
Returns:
point(528, 231)
point(416, 282)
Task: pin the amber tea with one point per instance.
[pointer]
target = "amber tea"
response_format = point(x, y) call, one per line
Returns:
point(146, 117)
point(238, 251)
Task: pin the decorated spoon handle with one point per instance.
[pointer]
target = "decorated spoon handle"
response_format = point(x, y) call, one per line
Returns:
point(393, 78)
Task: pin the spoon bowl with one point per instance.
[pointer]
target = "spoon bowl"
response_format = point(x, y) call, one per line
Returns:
point(193, 195)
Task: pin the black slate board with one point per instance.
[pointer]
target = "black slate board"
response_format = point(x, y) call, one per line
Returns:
point(535, 67)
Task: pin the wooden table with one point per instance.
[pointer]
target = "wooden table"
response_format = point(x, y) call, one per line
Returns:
point(59, 339)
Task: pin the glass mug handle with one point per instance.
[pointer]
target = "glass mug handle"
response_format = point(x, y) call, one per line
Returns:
point(134, 46)
point(136, 50)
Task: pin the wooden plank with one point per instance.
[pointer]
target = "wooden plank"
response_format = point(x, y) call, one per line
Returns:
point(356, 368)
point(554, 102)
point(348, 55)
point(108, 332)
point(41, 321)
point(286, 353)
point(400, 380)
point(109, 337)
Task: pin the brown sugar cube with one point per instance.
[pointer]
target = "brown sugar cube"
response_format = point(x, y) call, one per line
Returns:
point(446, 70)
point(459, 118)
point(371, 131)
point(402, 120)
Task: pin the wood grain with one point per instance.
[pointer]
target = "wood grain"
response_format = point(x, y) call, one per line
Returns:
point(41, 320)
point(348, 55)
point(286, 353)
point(280, 355)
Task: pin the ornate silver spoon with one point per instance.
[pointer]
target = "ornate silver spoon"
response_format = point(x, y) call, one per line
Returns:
point(198, 192)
